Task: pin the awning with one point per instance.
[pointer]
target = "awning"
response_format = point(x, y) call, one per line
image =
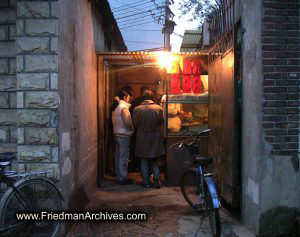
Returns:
point(143, 57)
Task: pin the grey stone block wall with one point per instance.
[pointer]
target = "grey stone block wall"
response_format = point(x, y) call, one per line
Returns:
point(8, 80)
point(36, 63)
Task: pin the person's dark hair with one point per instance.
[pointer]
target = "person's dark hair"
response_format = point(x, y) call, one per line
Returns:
point(121, 96)
point(148, 95)
point(143, 88)
point(128, 89)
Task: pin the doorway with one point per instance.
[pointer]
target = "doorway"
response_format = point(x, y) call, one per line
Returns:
point(116, 75)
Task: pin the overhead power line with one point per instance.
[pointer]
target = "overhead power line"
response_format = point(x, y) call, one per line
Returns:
point(139, 13)
point(181, 36)
point(133, 20)
point(134, 5)
point(129, 6)
point(149, 12)
point(130, 24)
point(136, 25)
point(134, 11)
point(124, 5)
point(143, 42)
point(140, 30)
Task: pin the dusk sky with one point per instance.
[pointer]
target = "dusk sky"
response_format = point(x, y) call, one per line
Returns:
point(136, 20)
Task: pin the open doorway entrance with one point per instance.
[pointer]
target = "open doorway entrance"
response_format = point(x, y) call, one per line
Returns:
point(118, 72)
point(138, 69)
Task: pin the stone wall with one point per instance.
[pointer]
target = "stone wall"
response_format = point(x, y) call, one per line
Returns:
point(8, 87)
point(37, 86)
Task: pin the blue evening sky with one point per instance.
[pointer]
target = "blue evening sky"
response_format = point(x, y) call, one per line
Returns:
point(141, 22)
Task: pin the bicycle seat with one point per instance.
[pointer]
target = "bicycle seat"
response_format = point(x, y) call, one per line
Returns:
point(202, 160)
point(7, 156)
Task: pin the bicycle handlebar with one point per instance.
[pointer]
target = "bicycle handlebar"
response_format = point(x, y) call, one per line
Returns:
point(197, 138)
point(206, 131)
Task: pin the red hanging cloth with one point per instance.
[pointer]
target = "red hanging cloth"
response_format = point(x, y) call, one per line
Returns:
point(196, 67)
point(187, 84)
point(187, 67)
point(187, 80)
point(198, 85)
point(175, 83)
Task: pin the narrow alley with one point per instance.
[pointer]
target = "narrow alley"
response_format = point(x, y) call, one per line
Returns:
point(168, 214)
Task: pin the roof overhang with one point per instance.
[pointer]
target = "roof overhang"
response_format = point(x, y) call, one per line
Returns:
point(125, 58)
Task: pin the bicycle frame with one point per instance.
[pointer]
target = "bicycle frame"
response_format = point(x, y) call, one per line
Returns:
point(208, 179)
point(5, 176)
point(212, 190)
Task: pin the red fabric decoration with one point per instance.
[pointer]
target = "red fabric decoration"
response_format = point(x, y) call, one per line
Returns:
point(198, 85)
point(196, 67)
point(175, 83)
point(187, 67)
point(187, 84)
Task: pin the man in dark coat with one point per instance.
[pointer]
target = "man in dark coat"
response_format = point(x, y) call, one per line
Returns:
point(137, 101)
point(135, 161)
point(147, 118)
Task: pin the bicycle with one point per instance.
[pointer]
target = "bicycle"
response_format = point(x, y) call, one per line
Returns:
point(28, 193)
point(198, 187)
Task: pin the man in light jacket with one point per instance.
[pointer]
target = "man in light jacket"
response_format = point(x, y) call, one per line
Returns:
point(147, 118)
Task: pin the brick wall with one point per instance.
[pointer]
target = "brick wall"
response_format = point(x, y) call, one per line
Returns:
point(8, 130)
point(37, 85)
point(281, 70)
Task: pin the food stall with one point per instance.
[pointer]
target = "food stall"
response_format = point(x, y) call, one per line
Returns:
point(180, 81)
point(184, 89)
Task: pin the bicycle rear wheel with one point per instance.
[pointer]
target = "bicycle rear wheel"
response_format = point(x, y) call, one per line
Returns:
point(191, 189)
point(213, 214)
point(29, 196)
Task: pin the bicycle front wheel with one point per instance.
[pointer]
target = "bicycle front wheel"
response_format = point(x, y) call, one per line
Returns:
point(191, 190)
point(33, 196)
point(213, 214)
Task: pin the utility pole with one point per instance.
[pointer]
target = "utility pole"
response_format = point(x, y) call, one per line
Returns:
point(168, 26)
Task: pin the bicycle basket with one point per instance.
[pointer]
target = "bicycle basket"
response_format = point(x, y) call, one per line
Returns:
point(182, 155)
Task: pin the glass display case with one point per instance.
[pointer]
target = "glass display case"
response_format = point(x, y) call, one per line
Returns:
point(186, 114)
point(184, 91)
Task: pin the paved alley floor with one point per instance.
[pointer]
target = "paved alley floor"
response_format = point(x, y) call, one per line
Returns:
point(168, 215)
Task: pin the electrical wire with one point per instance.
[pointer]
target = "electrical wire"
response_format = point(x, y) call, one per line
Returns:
point(128, 6)
point(125, 5)
point(133, 11)
point(138, 13)
point(153, 13)
point(140, 30)
point(137, 25)
point(181, 36)
point(142, 42)
point(134, 14)
point(133, 20)
point(130, 24)
point(134, 5)
point(149, 12)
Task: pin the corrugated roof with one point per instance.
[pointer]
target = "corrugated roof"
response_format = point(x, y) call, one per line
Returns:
point(144, 56)
point(191, 37)
point(192, 49)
